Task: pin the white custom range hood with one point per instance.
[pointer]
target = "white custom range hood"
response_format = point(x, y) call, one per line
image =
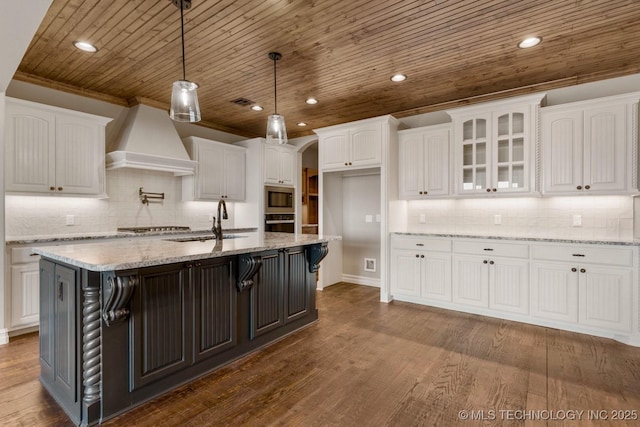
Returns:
point(149, 141)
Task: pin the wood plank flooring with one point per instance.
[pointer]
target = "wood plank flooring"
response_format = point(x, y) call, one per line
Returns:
point(371, 364)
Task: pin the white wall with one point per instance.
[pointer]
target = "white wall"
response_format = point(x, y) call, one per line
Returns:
point(360, 239)
point(603, 217)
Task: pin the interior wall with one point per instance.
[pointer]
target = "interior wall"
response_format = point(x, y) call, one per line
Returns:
point(4, 338)
point(361, 224)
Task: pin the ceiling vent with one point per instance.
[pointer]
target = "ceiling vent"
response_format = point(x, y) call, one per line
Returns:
point(243, 102)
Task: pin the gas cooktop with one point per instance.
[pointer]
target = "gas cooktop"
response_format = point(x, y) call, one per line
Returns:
point(153, 229)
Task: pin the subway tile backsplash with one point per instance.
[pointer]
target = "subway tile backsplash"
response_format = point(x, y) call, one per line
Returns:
point(42, 215)
point(602, 217)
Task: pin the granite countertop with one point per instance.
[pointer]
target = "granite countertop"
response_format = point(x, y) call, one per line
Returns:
point(123, 254)
point(15, 240)
point(623, 242)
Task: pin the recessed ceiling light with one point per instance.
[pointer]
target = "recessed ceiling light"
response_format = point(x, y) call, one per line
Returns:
point(398, 78)
point(311, 101)
point(85, 46)
point(530, 42)
point(256, 108)
point(302, 124)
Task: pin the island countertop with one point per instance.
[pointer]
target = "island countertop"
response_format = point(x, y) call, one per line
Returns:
point(125, 254)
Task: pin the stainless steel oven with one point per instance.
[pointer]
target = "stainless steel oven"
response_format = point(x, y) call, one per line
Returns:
point(280, 222)
point(279, 200)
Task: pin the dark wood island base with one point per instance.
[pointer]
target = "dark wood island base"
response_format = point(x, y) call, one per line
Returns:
point(111, 340)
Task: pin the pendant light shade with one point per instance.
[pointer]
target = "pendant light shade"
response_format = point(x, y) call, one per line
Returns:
point(276, 129)
point(184, 95)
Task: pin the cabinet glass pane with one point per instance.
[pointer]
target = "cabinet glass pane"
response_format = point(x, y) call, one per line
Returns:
point(467, 130)
point(503, 125)
point(481, 153)
point(517, 151)
point(518, 122)
point(517, 176)
point(481, 178)
point(503, 176)
point(481, 128)
point(503, 151)
point(467, 154)
point(467, 179)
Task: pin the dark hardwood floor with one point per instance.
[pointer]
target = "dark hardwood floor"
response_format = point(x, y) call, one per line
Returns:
point(371, 364)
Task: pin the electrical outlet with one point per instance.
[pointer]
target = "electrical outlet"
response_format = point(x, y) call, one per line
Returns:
point(71, 219)
point(577, 220)
point(368, 218)
point(377, 217)
point(497, 219)
point(423, 218)
point(210, 217)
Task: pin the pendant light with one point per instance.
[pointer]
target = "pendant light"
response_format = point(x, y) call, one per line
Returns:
point(276, 130)
point(184, 95)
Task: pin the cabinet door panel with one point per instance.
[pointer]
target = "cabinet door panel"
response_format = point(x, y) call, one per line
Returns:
point(334, 151)
point(562, 146)
point(210, 172)
point(366, 147)
point(30, 145)
point(605, 298)
point(436, 163)
point(47, 311)
point(267, 296)
point(234, 174)
point(411, 167)
point(79, 156)
point(297, 286)
point(214, 309)
point(287, 161)
point(470, 281)
point(511, 147)
point(554, 292)
point(25, 295)
point(509, 286)
point(407, 273)
point(65, 332)
point(271, 164)
point(436, 276)
point(160, 336)
point(605, 148)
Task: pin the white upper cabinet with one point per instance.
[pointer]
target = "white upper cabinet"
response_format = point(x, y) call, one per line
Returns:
point(279, 164)
point(52, 150)
point(495, 145)
point(424, 162)
point(590, 147)
point(220, 173)
point(353, 145)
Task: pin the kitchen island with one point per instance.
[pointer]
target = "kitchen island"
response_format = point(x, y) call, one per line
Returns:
point(124, 321)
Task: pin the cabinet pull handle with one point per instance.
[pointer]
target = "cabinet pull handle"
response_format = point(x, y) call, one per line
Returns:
point(487, 249)
point(485, 261)
point(582, 270)
point(574, 269)
point(580, 255)
point(198, 264)
point(579, 187)
point(189, 265)
point(60, 291)
point(419, 244)
point(417, 256)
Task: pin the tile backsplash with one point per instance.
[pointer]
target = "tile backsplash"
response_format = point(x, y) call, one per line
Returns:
point(602, 217)
point(42, 215)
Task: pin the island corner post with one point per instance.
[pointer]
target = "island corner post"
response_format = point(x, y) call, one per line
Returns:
point(112, 340)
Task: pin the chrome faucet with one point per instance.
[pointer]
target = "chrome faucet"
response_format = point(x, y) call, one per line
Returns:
point(217, 227)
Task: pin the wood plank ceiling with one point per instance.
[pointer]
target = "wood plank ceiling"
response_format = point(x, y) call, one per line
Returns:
point(341, 52)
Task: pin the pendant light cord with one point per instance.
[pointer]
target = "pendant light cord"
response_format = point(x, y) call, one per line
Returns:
point(184, 72)
point(275, 86)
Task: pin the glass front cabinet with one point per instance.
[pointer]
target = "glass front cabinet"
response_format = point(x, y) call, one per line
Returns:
point(495, 146)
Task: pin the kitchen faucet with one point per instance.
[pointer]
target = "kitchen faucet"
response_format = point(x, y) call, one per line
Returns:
point(217, 227)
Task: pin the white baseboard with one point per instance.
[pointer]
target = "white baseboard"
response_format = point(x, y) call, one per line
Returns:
point(4, 336)
point(360, 280)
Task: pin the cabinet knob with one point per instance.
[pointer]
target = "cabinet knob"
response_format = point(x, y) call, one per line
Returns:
point(587, 187)
point(420, 192)
point(52, 188)
point(582, 270)
point(426, 192)
point(59, 188)
point(491, 262)
point(574, 269)
point(485, 261)
point(198, 264)
point(417, 256)
point(421, 256)
point(350, 163)
point(346, 164)
point(494, 189)
point(488, 190)
point(579, 187)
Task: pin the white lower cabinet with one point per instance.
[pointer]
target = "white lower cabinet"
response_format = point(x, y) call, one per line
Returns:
point(588, 288)
point(24, 276)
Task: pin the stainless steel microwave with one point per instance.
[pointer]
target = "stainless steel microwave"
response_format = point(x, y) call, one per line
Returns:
point(279, 199)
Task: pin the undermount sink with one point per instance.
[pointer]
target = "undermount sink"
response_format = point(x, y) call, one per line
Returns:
point(202, 238)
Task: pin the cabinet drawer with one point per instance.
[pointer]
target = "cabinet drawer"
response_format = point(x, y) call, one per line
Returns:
point(23, 256)
point(421, 243)
point(483, 247)
point(584, 254)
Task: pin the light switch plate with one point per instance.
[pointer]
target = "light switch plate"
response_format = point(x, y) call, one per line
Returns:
point(71, 219)
point(368, 218)
point(497, 219)
point(423, 218)
point(577, 220)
